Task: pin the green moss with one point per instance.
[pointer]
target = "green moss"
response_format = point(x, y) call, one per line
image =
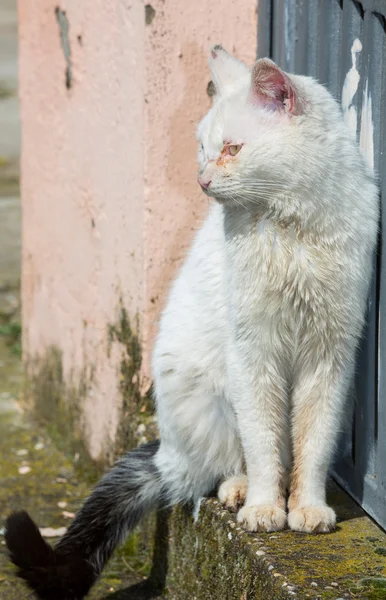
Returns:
point(57, 401)
point(11, 331)
point(214, 558)
point(57, 404)
point(137, 408)
point(131, 359)
point(9, 185)
point(149, 14)
point(371, 588)
point(210, 560)
point(39, 492)
point(54, 476)
point(6, 92)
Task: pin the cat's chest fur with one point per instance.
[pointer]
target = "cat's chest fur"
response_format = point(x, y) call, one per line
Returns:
point(272, 268)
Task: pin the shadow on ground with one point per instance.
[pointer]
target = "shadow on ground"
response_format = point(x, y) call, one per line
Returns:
point(140, 591)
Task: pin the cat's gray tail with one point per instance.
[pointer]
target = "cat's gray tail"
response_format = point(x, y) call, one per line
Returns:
point(67, 572)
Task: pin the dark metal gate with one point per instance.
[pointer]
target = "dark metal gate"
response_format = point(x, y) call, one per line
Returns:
point(342, 43)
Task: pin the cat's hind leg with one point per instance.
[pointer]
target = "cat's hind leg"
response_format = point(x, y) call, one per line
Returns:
point(200, 443)
point(199, 455)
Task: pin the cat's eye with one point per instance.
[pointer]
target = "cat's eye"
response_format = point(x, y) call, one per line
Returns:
point(234, 149)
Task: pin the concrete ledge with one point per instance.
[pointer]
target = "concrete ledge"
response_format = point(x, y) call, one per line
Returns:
point(214, 559)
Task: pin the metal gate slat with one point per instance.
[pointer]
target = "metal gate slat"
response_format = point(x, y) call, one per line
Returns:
point(313, 39)
point(302, 36)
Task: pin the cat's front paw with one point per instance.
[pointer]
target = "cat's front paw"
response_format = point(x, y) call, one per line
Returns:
point(233, 491)
point(266, 517)
point(312, 519)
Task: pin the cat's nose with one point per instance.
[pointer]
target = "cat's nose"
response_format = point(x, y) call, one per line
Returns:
point(204, 184)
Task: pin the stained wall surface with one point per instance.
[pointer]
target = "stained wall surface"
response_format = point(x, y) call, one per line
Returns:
point(111, 93)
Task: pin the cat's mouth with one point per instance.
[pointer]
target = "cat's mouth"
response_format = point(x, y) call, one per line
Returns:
point(222, 196)
point(210, 189)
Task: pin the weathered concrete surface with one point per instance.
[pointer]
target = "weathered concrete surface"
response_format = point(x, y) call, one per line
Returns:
point(56, 399)
point(215, 559)
point(110, 94)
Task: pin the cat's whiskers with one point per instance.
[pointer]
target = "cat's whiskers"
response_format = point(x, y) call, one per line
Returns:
point(238, 201)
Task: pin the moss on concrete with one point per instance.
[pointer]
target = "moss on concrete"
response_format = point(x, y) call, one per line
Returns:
point(6, 92)
point(53, 478)
point(12, 334)
point(137, 420)
point(56, 404)
point(214, 558)
point(10, 328)
point(211, 559)
point(9, 174)
point(56, 401)
point(371, 588)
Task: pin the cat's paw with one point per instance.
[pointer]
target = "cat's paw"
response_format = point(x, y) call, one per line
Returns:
point(312, 519)
point(266, 517)
point(233, 491)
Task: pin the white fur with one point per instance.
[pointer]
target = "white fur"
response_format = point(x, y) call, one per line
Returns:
point(256, 345)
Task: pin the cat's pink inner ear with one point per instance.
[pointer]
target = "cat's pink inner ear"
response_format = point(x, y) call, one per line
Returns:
point(270, 86)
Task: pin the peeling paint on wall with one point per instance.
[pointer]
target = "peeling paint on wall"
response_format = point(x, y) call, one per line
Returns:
point(210, 90)
point(62, 19)
point(149, 14)
point(350, 87)
point(366, 136)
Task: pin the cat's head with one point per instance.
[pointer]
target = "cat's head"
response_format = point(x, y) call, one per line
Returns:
point(256, 140)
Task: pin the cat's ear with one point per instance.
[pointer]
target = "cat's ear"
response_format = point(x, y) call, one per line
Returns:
point(226, 69)
point(270, 86)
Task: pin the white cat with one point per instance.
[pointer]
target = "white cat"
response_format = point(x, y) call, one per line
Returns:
point(257, 342)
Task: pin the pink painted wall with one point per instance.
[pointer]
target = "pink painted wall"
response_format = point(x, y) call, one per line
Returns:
point(110, 199)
